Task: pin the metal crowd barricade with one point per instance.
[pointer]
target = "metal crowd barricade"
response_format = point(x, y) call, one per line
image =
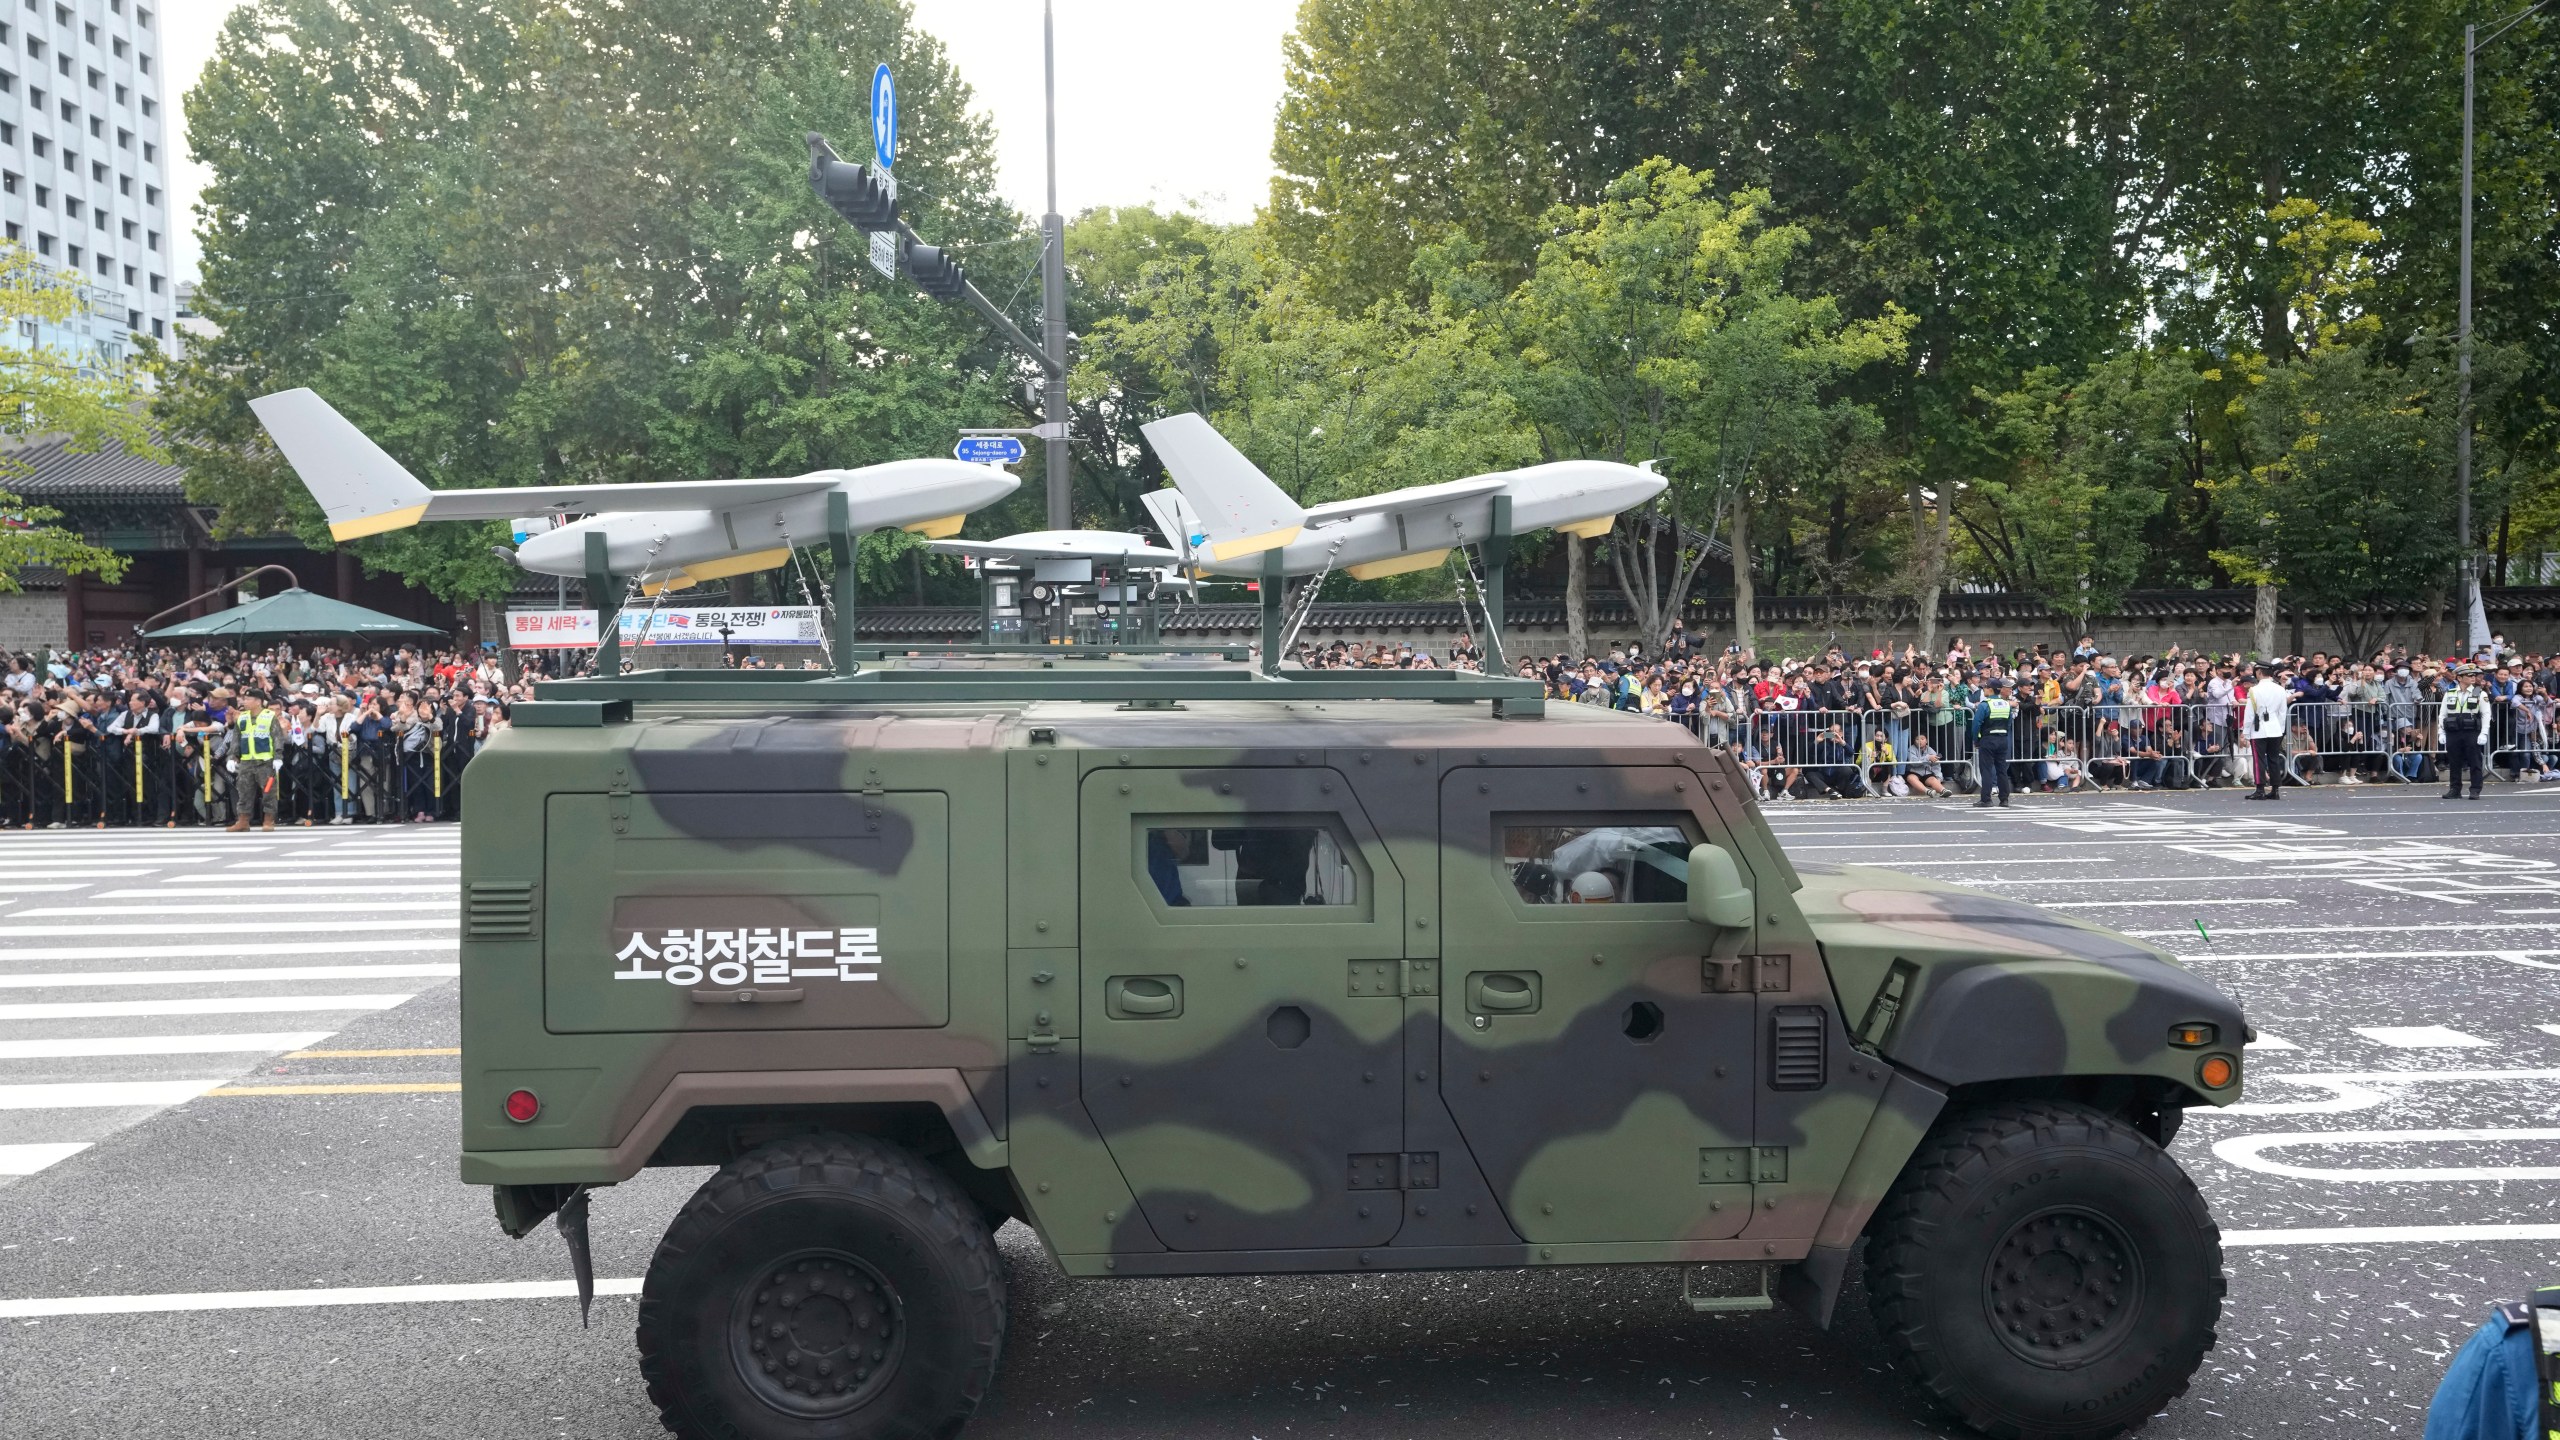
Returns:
point(1800, 743)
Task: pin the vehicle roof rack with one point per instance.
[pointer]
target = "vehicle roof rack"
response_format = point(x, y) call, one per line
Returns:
point(1137, 678)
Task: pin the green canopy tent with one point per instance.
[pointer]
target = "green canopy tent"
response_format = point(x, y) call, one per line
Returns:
point(291, 612)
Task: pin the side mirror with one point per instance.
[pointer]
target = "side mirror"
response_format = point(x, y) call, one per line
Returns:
point(1717, 895)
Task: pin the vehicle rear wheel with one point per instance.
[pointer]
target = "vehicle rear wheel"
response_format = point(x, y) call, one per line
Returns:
point(2045, 1272)
point(831, 1288)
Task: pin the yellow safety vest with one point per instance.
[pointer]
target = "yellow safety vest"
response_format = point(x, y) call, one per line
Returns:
point(258, 736)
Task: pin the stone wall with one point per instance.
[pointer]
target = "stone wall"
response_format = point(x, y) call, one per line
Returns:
point(32, 620)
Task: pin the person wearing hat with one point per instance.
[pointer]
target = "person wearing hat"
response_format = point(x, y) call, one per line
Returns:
point(2458, 731)
point(253, 784)
point(2263, 720)
point(1995, 723)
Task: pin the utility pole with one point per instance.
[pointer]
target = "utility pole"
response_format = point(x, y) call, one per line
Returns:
point(1053, 302)
point(2469, 601)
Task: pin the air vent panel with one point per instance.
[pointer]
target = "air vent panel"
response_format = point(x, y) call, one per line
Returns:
point(1798, 1047)
point(499, 909)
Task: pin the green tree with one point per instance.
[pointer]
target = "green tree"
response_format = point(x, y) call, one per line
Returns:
point(1658, 326)
point(47, 389)
point(570, 243)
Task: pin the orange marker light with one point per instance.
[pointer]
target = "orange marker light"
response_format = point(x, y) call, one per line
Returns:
point(2217, 1072)
point(2191, 1037)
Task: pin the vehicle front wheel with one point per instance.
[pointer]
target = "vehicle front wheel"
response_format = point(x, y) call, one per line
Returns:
point(2045, 1271)
point(829, 1288)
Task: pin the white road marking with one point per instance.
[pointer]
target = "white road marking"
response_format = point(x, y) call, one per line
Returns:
point(261, 908)
point(2363, 1089)
point(68, 979)
point(219, 1005)
point(2519, 957)
point(23, 888)
point(2249, 1153)
point(2371, 929)
point(102, 1094)
point(260, 950)
point(2260, 878)
point(2120, 904)
point(84, 873)
point(213, 927)
point(28, 1159)
point(2266, 1041)
point(306, 1299)
point(233, 876)
point(74, 1305)
point(2420, 1037)
point(280, 885)
point(2390, 1235)
point(2053, 841)
point(2548, 1029)
point(72, 1048)
point(2047, 861)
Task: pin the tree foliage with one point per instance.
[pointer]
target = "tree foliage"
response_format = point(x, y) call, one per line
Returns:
point(49, 390)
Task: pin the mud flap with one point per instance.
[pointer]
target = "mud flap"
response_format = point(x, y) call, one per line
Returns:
point(572, 1221)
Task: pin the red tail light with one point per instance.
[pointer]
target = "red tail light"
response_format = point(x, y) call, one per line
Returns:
point(522, 1106)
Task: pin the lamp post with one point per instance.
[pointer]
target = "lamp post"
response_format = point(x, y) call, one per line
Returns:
point(2472, 40)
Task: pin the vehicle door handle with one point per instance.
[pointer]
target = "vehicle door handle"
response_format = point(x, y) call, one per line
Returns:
point(1142, 996)
point(1503, 991)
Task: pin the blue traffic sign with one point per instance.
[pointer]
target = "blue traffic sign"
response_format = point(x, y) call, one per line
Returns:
point(884, 118)
point(989, 450)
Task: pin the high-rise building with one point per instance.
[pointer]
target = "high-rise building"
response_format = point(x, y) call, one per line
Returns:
point(84, 165)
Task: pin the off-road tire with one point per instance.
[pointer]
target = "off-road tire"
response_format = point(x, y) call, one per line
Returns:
point(2045, 1272)
point(844, 1266)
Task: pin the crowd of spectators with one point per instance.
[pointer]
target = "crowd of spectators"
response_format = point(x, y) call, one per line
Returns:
point(153, 735)
point(1898, 722)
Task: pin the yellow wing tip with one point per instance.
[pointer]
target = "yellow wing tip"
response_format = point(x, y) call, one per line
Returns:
point(1591, 529)
point(1397, 565)
point(942, 529)
point(363, 525)
point(1253, 544)
point(753, 562)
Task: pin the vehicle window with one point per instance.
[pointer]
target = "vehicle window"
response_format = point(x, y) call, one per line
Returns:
point(1643, 860)
point(1226, 866)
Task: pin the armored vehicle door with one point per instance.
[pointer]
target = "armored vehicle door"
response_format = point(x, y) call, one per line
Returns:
point(1598, 1059)
point(1242, 1029)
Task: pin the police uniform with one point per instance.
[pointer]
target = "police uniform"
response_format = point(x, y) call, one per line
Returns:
point(252, 789)
point(2264, 715)
point(2466, 711)
point(1995, 723)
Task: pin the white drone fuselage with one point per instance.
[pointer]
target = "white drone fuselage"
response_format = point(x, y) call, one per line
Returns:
point(685, 546)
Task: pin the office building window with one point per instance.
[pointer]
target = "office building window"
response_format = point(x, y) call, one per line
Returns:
point(44, 243)
point(155, 284)
point(61, 14)
point(15, 232)
point(73, 253)
point(154, 242)
point(150, 107)
point(98, 126)
point(124, 139)
point(43, 147)
point(98, 172)
point(8, 182)
point(8, 133)
point(8, 82)
point(128, 229)
point(128, 274)
point(71, 206)
point(105, 267)
point(62, 65)
point(89, 32)
point(159, 329)
point(35, 47)
point(145, 62)
point(133, 319)
point(97, 79)
point(142, 17)
point(124, 95)
point(97, 217)
point(121, 47)
point(44, 196)
point(150, 152)
point(71, 160)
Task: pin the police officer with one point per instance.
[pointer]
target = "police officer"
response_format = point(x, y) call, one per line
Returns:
point(2465, 712)
point(1995, 722)
point(2263, 720)
point(253, 788)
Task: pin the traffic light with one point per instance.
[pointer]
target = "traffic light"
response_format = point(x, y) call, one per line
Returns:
point(935, 273)
point(852, 191)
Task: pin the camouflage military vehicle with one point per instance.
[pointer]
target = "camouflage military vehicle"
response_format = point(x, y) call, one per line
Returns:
point(1195, 972)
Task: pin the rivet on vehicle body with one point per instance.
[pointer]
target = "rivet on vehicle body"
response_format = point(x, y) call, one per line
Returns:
point(1483, 789)
point(1483, 1076)
point(1768, 1249)
point(1364, 1214)
point(1124, 789)
point(1421, 1209)
point(1044, 1084)
point(1421, 922)
point(1471, 1209)
point(1239, 962)
point(1126, 1082)
point(1769, 1204)
point(1040, 925)
point(1581, 788)
point(1368, 1077)
point(1110, 1264)
point(1225, 789)
point(1547, 1210)
point(1421, 1075)
point(1364, 1255)
point(1124, 757)
point(1546, 1254)
point(1326, 787)
point(1110, 1217)
point(1484, 1022)
point(1595, 957)
point(1418, 759)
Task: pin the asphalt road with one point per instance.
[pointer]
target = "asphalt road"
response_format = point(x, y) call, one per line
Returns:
point(186, 1145)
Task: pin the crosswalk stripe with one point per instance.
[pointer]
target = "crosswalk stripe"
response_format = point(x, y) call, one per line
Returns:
point(212, 927)
point(101, 1094)
point(317, 877)
point(71, 979)
point(261, 908)
point(12, 954)
point(221, 1005)
point(28, 1159)
point(429, 1088)
point(82, 1047)
point(281, 885)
